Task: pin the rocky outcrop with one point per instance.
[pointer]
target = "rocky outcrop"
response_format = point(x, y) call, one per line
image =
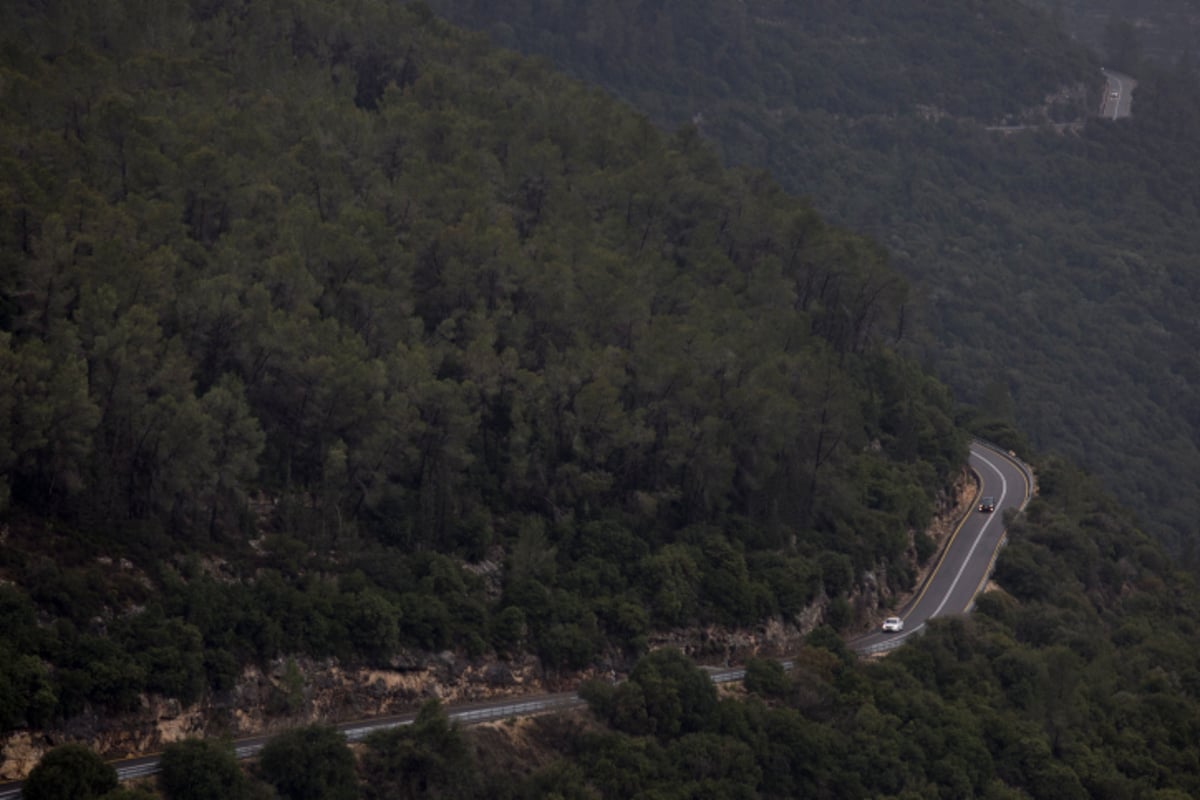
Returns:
point(309, 690)
point(261, 703)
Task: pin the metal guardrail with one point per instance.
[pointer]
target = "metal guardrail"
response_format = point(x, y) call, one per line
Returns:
point(131, 771)
point(358, 732)
point(888, 644)
point(527, 708)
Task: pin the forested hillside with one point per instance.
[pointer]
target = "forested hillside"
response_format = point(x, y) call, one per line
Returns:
point(328, 329)
point(1055, 272)
point(1075, 678)
point(731, 65)
point(1125, 32)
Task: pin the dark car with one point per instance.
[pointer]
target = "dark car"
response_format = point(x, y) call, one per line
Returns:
point(987, 504)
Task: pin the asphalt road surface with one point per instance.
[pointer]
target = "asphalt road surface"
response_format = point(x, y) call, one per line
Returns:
point(1118, 95)
point(967, 561)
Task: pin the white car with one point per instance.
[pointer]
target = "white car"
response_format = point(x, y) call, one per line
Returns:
point(893, 625)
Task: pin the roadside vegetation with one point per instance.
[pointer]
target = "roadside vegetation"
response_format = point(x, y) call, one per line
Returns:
point(1076, 678)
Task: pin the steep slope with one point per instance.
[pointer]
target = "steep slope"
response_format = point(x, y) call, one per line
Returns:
point(328, 329)
point(1162, 30)
point(1076, 677)
point(1055, 272)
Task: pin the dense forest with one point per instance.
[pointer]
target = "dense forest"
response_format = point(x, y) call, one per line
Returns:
point(1130, 30)
point(1054, 271)
point(328, 329)
point(1077, 678)
point(733, 62)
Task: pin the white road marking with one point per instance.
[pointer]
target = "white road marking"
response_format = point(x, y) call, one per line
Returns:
point(978, 538)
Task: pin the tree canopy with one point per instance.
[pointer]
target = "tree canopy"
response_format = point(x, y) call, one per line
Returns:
point(306, 307)
point(201, 769)
point(310, 763)
point(69, 772)
point(1052, 267)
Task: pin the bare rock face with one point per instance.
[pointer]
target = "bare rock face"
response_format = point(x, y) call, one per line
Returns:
point(20, 754)
point(499, 676)
point(715, 645)
point(330, 693)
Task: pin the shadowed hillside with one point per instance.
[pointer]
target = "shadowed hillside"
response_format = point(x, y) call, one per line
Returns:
point(347, 335)
point(1054, 272)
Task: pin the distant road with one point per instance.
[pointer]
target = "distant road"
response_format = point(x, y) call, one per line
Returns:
point(1116, 103)
point(1118, 95)
point(950, 589)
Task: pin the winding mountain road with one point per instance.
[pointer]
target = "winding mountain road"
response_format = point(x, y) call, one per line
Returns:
point(963, 567)
point(1118, 95)
point(966, 562)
